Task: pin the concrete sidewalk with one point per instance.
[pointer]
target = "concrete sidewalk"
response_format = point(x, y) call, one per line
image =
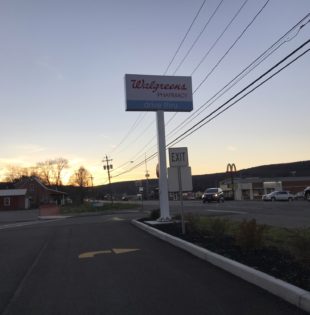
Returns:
point(19, 216)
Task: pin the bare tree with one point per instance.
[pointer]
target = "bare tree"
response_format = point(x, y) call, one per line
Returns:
point(81, 178)
point(51, 170)
point(16, 173)
point(59, 165)
point(46, 171)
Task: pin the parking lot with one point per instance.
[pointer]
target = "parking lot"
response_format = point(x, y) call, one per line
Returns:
point(278, 213)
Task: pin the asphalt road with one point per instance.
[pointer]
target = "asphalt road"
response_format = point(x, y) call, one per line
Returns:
point(286, 214)
point(105, 265)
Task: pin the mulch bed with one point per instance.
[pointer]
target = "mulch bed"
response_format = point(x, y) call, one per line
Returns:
point(271, 260)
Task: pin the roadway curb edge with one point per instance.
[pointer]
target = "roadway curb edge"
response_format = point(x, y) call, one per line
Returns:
point(282, 289)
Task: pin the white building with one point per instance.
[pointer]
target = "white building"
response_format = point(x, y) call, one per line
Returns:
point(254, 188)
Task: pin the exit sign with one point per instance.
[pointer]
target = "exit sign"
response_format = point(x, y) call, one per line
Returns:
point(178, 157)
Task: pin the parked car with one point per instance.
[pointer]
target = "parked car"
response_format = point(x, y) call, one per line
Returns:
point(279, 196)
point(307, 193)
point(213, 194)
point(124, 198)
point(299, 196)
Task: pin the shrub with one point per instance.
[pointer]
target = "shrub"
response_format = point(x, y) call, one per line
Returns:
point(155, 214)
point(250, 235)
point(300, 244)
point(206, 226)
point(218, 228)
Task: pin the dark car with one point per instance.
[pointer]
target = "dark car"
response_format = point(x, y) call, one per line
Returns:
point(213, 194)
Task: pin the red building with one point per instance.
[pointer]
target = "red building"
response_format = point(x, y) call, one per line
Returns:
point(39, 194)
point(14, 199)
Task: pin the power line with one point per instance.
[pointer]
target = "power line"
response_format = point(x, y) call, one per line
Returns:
point(199, 125)
point(274, 47)
point(142, 115)
point(243, 96)
point(131, 129)
point(182, 41)
point(231, 47)
point(249, 68)
point(243, 90)
point(198, 37)
point(221, 35)
point(227, 52)
point(135, 139)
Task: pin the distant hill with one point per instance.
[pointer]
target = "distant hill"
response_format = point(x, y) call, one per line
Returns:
point(297, 169)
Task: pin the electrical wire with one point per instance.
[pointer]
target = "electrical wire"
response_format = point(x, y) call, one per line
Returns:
point(241, 72)
point(199, 125)
point(227, 52)
point(194, 43)
point(221, 35)
point(182, 41)
point(243, 96)
point(198, 37)
point(231, 47)
point(262, 57)
point(243, 90)
point(131, 129)
point(142, 115)
point(286, 37)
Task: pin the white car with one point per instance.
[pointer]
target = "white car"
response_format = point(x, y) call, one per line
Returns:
point(307, 193)
point(279, 196)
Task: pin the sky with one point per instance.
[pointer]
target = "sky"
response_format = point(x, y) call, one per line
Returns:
point(62, 83)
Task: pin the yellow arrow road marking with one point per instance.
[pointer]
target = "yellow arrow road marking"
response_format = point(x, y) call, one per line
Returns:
point(93, 254)
point(114, 250)
point(117, 219)
point(124, 250)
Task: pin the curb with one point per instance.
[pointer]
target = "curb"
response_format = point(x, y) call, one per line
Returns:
point(282, 289)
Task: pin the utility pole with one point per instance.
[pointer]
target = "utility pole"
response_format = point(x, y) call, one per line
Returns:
point(108, 167)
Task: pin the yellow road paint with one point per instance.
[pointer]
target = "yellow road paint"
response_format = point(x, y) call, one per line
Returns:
point(117, 219)
point(93, 254)
point(124, 250)
point(116, 251)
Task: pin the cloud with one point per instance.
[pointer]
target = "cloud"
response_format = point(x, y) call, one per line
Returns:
point(30, 148)
point(231, 148)
point(17, 161)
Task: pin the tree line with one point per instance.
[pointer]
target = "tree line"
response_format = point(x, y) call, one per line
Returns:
point(50, 172)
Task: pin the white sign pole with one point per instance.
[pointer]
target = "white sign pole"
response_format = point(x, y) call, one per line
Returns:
point(163, 181)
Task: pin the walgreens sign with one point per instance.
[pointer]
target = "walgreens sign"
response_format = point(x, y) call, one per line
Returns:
point(153, 93)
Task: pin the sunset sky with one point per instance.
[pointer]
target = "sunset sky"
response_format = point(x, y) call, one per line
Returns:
point(62, 82)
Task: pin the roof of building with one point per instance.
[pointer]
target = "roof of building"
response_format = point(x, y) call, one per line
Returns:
point(34, 178)
point(12, 192)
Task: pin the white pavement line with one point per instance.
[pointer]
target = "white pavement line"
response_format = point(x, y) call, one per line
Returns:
point(284, 290)
point(14, 225)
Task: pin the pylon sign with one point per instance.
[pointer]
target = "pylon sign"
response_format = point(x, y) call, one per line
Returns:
point(154, 93)
point(231, 168)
